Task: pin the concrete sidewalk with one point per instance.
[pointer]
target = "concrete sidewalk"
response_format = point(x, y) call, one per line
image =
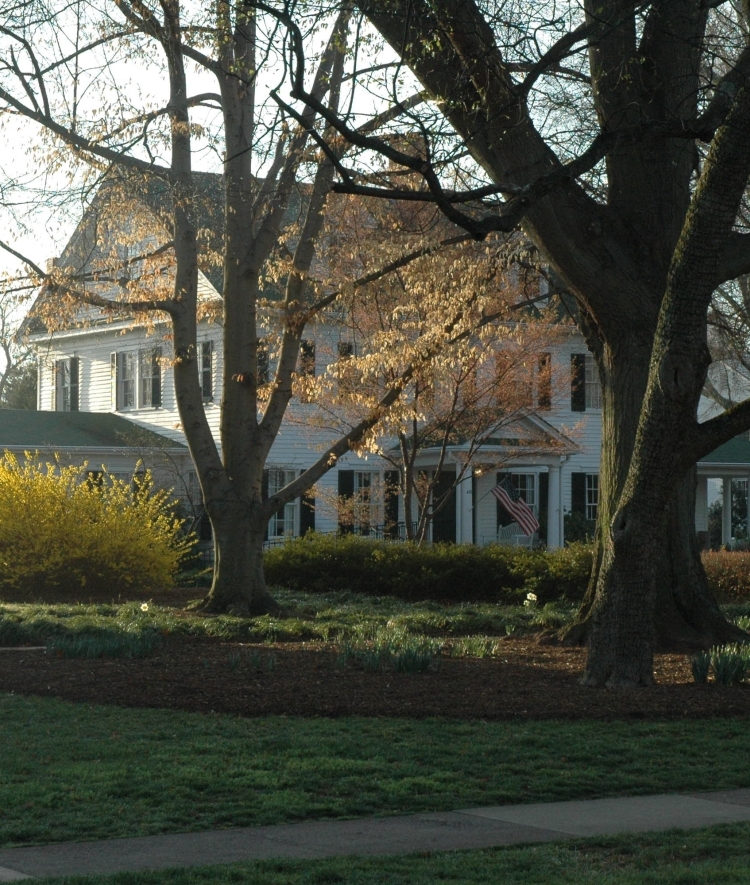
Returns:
point(469, 828)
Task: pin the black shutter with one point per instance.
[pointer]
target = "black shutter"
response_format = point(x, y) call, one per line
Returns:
point(542, 508)
point(156, 378)
point(503, 517)
point(206, 370)
point(346, 491)
point(578, 493)
point(262, 361)
point(74, 386)
point(114, 368)
point(306, 512)
point(544, 391)
point(264, 496)
point(307, 358)
point(578, 382)
point(390, 508)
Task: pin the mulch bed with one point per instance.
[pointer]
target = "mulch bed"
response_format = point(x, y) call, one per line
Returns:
point(526, 681)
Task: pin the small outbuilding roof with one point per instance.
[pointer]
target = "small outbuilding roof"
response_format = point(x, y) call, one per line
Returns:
point(85, 430)
point(736, 451)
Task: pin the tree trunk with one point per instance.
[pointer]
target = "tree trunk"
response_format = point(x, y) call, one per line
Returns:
point(239, 584)
point(686, 616)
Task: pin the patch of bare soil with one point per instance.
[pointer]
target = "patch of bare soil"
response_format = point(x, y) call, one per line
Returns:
point(525, 681)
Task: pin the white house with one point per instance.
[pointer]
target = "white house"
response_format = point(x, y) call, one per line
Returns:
point(115, 368)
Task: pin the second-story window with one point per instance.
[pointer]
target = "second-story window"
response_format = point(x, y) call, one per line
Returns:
point(150, 378)
point(205, 369)
point(593, 385)
point(136, 379)
point(66, 385)
point(586, 388)
point(346, 377)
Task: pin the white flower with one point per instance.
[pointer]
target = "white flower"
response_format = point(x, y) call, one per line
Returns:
point(144, 606)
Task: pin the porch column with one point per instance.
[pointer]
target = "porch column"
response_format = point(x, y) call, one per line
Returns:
point(701, 504)
point(464, 512)
point(726, 509)
point(554, 509)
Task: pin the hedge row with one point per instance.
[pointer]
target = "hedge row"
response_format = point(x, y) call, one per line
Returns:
point(444, 572)
point(461, 573)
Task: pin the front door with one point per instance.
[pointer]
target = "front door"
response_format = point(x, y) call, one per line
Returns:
point(444, 522)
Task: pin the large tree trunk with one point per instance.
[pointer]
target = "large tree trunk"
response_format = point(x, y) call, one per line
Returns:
point(239, 584)
point(686, 616)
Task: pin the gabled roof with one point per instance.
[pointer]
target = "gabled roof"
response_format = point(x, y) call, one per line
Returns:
point(526, 433)
point(154, 193)
point(85, 430)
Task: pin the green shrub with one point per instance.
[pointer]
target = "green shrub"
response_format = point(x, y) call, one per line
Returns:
point(728, 574)
point(700, 664)
point(445, 572)
point(105, 645)
point(729, 663)
point(64, 537)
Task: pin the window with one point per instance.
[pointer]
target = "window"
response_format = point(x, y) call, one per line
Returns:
point(136, 379)
point(585, 388)
point(360, 501)
point(66, 385)
point(150, 378)
point(526, 484)
point(283, 523)
point(126, 372)
point(593, 384)
point(205, 370)
point(346, 377)
point(367, 502)
point(585, 494)
point(592, 495)
point(514, 382)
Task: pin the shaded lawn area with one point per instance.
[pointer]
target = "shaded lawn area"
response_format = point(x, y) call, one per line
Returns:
point(74, 771)
point(717, 855)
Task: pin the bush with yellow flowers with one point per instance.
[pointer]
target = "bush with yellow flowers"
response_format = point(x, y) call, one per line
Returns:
point(65, 534)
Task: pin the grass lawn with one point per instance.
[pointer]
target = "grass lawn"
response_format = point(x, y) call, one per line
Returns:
point(718, 855)
point(74, 772)
point(321, 616)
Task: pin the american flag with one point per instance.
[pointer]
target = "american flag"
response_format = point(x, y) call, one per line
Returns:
point(516, 506)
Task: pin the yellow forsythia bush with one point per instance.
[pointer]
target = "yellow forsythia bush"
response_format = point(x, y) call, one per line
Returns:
point(63, 535)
